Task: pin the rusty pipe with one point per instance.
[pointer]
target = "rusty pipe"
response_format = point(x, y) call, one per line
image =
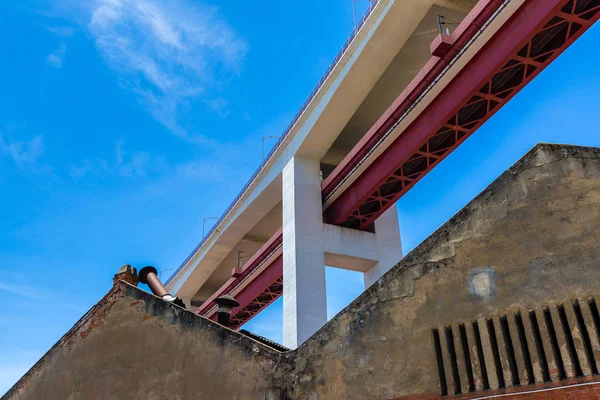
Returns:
point(149, 276)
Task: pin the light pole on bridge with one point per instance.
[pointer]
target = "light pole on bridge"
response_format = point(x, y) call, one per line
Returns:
point(204, 224)
point(264, 139)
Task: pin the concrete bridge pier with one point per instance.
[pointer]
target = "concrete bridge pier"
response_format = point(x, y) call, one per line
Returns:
point(388, 245)
point(304, 296)
point(309, 245)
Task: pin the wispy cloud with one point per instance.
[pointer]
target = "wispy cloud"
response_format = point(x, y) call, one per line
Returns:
point(63, 31)
point(137, 164)
point(20, 290)
point(23, 152)
point(134, 164)
point(55, 58)
point(219, 105)
point(198, 169)
point(167, 52)
point(39, 294)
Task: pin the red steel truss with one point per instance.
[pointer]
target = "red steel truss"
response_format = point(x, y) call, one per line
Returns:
point(261, 290)
point(431, 72)
point(255, 286)
point(266, 297)
point(538, 33)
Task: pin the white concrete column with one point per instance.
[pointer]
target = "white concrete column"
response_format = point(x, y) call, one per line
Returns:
point(388, 245)
point(304, 296)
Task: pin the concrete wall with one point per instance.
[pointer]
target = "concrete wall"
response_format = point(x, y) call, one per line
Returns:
point(529, 241)
point(133, 345)
point(533, 234)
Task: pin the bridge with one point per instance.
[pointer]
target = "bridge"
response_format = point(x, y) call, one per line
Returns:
point(415, 79)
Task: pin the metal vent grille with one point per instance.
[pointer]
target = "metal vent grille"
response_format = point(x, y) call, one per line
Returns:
point(525, 347)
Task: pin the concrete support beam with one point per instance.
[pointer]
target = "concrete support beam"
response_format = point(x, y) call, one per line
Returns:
point(309, 245)
point(349, 248)
point(388, 245)
point(304, 293)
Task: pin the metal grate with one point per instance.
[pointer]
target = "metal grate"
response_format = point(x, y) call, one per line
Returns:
point(549, 344)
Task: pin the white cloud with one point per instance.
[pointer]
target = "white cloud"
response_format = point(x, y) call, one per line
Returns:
point(20, 290)
point(197, 169)
point(125, 164)
point(142, 164)
point(85, 168)
point(167, 52)
point(23, 152)
point(219, 105)
point(55, 58)
point(63, 31)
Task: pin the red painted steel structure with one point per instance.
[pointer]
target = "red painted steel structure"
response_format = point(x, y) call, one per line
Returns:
point(538, 33)
point(254, 305)
point(434, 68)
point(261, 288)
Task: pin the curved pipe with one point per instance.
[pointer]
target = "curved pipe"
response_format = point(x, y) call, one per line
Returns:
point(149, 276)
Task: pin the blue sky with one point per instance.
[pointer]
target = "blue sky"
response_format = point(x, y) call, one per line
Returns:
point(123, 123)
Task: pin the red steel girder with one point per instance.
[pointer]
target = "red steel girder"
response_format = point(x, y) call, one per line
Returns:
point(268, 295)
point(260, 292)
point(258, 288)
point(538, 33)
point(432, 71)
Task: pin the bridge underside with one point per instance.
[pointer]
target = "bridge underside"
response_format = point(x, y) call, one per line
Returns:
point(355, 195)
point(513, 57)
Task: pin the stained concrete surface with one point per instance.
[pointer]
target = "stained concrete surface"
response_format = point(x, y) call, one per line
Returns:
point(530, 240)
point(133, 345)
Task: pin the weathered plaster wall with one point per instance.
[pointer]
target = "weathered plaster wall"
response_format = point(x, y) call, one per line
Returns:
point(133, 345)
point(530, 238)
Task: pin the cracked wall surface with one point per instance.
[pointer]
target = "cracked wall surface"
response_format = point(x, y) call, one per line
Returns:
point(530, 239)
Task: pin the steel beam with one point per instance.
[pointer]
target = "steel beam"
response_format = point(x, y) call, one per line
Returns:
point(431, 73)
point(538, 33)
point(263, 290)
point(256, 279)
point(259, 294)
